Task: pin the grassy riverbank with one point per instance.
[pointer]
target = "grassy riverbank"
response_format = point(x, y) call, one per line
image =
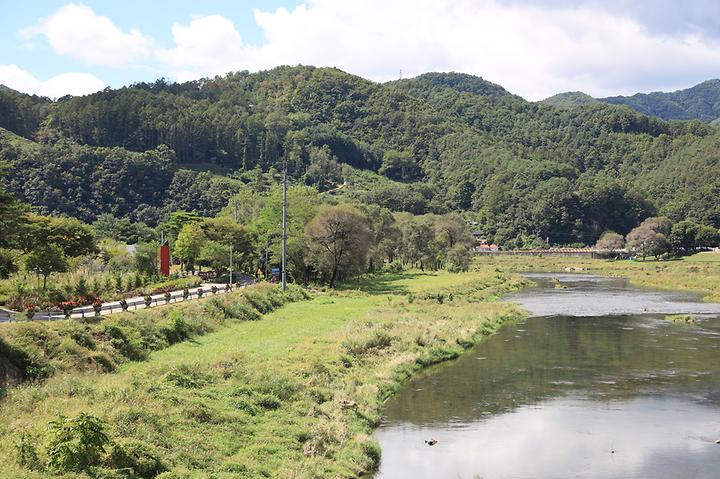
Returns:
point(699, 273)
point(295, 394)
point(37, 350)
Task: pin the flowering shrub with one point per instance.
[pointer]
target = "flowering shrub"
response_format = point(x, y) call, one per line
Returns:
point(97, 306)
point(67, 307)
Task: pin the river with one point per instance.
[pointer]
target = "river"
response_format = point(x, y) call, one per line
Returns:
point(596, 384)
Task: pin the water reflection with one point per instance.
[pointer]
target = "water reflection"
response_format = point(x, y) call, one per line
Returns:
point(554, 396)
point(578, 295)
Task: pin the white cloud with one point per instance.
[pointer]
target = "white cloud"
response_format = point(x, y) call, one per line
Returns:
point(64, 84)
point(76, 31)
point(532, 51)
point(208, 44)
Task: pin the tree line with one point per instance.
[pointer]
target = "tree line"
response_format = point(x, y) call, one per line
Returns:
point(439, 143)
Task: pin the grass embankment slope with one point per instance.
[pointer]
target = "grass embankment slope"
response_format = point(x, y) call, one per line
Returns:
point(699, 273)
point(295, 394)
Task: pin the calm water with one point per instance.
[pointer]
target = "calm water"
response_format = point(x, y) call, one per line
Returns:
point(597, 385)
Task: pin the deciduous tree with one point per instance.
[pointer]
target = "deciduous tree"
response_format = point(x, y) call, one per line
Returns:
point(610, 241)
point(188, 244)
point(338, 239)
point(45, 260)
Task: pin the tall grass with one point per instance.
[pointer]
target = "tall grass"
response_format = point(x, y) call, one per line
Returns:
point(38, 350)
point(295, 394)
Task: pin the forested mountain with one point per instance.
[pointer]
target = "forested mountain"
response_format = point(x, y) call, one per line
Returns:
point(570, 99)
point(701, 102)
point(435, 143)
point(460, 82)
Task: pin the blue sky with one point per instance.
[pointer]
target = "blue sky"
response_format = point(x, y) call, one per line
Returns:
point(534, 48)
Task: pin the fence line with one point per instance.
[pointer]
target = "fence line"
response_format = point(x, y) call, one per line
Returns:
point(114, 307)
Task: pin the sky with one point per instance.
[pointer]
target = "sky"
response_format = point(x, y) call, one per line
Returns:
point(533, 48)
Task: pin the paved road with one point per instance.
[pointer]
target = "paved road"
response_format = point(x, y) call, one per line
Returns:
point(113, 307)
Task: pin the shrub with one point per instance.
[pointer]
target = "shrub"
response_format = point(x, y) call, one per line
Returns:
point(246, 405)
point(458, 259)
point(283, 387)
point(268, 401)
point(394, 267)
point(122, 343)
point(178, 329)
point(136, 455)
point(27, 455)
point(361, 345)
point(76, 444)
point(186, 377)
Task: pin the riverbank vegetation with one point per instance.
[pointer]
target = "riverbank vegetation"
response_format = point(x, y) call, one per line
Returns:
point(699, 273)
point(295, 394)
point(32, 351)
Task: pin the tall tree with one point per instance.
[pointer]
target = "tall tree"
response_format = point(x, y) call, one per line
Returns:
point(72, 236)
point(338, 239)
point(12, 216)
point(610, 241)
point(189, 243)
point(45, 260)
point(644, 241)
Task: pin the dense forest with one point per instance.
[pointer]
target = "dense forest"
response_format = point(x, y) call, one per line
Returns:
point(437, 143)
point(701, 102)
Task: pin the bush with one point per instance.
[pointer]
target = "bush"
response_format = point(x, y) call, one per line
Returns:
point(178, 330)
point(27, 455)
point(136, 455)
point(359, 346)
point(280, 386)
point(76, 444)
point(394, 267)
point(186, 377)
point(458, 259)
point(268, 401)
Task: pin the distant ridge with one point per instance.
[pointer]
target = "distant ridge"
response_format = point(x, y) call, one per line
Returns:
point(701, 102)
point(570, 99)
point(461, 82)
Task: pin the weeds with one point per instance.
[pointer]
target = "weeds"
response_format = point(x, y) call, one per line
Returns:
point(39, 350)
point(294, 395)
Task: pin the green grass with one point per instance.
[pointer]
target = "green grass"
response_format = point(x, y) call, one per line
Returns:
point(699, 273)
point(680, 318)
point(17, 140)
point(38, 350)
point(264, 398)
point(271, 337)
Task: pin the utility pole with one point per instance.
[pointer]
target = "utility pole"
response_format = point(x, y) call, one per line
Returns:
point(284, 223)
point(231, 266)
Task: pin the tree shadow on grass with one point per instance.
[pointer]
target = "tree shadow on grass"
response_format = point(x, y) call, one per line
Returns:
point(384, 283)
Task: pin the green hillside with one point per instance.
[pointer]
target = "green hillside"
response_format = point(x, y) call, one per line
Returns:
point(570, 99)
point(701, 102)
point(460, 82)
point(436, 143)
